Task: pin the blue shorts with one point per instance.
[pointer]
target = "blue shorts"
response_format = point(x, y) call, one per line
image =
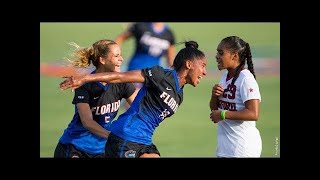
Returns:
point(117, 147)
point(69, 151)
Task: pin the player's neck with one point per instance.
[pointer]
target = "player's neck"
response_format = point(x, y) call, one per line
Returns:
point(182, 80)
point(232, 72)
point(102, 70)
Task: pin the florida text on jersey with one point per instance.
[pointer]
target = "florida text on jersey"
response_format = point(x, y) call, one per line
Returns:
point(158, 99)
point(104, 102)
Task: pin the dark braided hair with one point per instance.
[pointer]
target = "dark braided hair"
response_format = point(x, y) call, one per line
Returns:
point(190, 52)
point(236, 45)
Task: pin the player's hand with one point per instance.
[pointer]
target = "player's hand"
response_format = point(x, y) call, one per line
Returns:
point(215, 116)
point(217, 90)
point(71, 82)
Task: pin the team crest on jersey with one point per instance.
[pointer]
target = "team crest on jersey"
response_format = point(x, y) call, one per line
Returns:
point(130, 154)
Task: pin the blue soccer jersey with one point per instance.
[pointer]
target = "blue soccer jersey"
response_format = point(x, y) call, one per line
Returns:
point(150, 45)
point(158, 99)
point(104, 102)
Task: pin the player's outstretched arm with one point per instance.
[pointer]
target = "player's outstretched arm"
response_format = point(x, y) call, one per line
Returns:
point(109, 77)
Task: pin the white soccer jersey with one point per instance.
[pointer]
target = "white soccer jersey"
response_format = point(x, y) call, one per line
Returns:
point(238, 138)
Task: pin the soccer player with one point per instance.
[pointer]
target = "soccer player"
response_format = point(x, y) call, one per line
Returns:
point(96, 103)
point(235, 101)
point(159, 98)
point(152, 42)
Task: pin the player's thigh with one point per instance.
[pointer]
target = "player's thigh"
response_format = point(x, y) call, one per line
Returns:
point(61, 151)
point(149, 155)
point(116, 147)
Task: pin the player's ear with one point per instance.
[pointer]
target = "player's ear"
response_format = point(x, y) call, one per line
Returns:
point(188, 64)
point(235, 56)
point(102, 60)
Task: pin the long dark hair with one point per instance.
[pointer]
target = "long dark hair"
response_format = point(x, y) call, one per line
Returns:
point(236, 45)
point(190, 52)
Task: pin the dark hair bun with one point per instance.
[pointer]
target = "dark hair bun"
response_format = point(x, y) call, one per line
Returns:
point(191, 44)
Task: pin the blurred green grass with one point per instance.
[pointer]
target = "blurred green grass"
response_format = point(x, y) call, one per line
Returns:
point(189, 133)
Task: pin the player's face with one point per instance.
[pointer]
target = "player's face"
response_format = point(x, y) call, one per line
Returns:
point(197, 71)
point(224, 57)
point(114, 58)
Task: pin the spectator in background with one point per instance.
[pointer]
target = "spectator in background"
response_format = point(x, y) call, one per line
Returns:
point(235, 101)
point(153, 40)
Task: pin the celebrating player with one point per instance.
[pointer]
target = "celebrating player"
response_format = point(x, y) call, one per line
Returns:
point(159, 98)
point(96, 103)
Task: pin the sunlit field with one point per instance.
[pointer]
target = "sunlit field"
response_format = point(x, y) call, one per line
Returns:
point(190, 132)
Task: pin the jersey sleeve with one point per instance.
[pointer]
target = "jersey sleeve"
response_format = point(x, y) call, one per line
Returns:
point(81, 95)
point(172, 38)
point(128, 90)
point(249, 90)
point(153, 76)
point(133, 28)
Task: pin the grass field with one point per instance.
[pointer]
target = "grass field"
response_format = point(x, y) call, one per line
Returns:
point(189, 133)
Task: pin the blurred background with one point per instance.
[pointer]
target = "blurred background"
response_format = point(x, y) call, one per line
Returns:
point(190, 132)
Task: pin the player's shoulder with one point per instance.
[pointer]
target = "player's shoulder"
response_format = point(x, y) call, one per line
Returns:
point(141, 26)
point(169, 30)
point(88, 86)
point(161, 69)
point(157, 71)
point(121, 85)
point(157, 68)
point(246, 75)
